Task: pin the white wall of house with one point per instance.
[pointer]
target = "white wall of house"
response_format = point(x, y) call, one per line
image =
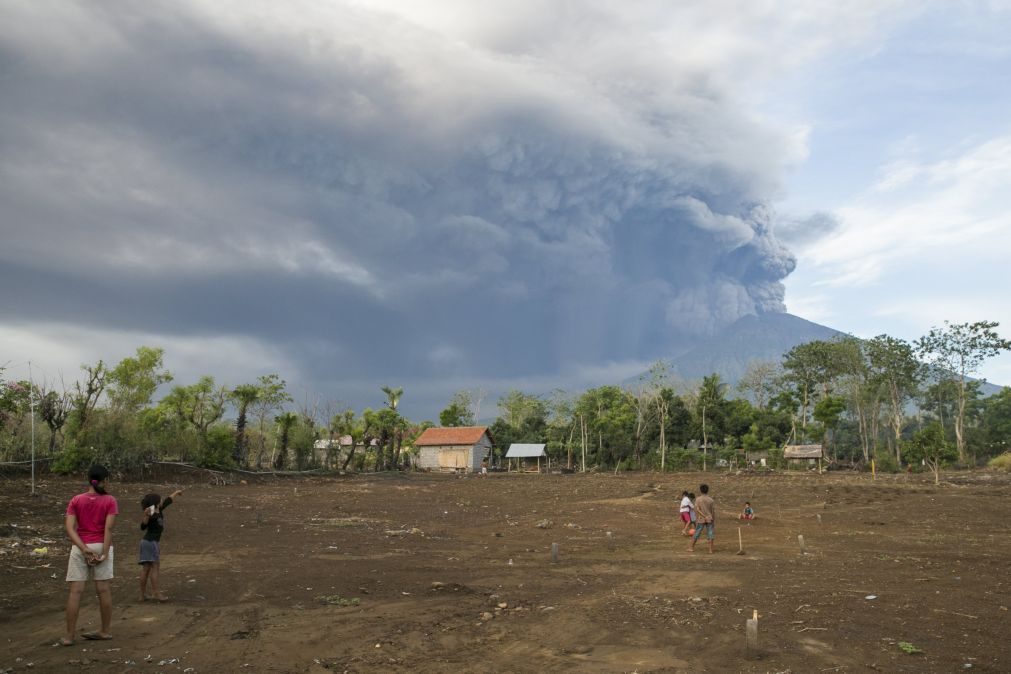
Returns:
point(467, 458)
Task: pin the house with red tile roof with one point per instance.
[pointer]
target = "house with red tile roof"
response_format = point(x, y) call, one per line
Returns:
point(460, 449)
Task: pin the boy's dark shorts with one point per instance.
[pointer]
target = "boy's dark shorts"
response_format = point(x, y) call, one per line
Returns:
point(150, 552)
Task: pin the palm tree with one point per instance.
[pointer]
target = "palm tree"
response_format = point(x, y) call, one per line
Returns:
point(393, 396)
point(284, 421)
point(390, 434)
point(244, 396)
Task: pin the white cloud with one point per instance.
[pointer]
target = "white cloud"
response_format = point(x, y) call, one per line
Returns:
point(950, 209)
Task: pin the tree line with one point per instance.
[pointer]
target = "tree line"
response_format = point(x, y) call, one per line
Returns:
point(884, 399)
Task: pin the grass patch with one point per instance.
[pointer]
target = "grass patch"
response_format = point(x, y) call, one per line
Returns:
point(337, 600)
point(908, 648)
point(1001, 463)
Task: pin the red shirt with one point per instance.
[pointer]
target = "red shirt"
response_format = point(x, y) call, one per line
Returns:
point(91, 511)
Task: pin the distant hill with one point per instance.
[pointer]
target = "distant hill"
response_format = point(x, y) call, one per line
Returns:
point(766, 337)
point(753, 338)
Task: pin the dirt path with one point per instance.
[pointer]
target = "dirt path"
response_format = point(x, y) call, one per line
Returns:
point(429, 573)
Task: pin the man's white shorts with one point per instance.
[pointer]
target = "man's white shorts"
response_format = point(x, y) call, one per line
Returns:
point(78, 569)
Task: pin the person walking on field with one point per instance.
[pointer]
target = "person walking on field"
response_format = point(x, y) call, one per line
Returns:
point(89, 521)
point(705, 508)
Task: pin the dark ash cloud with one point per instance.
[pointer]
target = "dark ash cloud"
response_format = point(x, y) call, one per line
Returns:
point(350, 185)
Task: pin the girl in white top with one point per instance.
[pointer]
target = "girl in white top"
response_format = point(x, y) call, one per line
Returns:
point(686, 512)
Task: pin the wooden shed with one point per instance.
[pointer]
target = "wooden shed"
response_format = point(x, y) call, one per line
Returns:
point(810, 454)
point(523, 453)
point(460, 449)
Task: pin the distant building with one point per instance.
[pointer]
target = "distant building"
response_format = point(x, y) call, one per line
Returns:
point(523, 453)
point(460, 449)
point(795, 454)
point(329, 452)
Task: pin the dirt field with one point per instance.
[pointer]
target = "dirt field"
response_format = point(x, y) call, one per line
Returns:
point(431, 573)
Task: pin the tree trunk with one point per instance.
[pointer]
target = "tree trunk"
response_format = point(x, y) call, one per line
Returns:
point(583, 438)
point(705, 440)
point(663, 441)
point(350, 456)
point(960, 423)
point(239, 453)
point(282, 454)
point(568, 445)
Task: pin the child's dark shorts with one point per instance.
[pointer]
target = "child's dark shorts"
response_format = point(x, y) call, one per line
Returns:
point(150, 552)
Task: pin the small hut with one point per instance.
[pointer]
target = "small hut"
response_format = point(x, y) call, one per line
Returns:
point(801, 454)
point(523, 453)
point(456, 449)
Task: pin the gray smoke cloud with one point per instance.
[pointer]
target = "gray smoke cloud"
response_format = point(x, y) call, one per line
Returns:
point(377, 195)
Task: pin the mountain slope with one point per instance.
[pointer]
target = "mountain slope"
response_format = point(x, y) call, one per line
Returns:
point(753, 338)
point(756, 338)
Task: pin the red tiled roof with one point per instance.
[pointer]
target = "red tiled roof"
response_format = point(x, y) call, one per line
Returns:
point(463, 435)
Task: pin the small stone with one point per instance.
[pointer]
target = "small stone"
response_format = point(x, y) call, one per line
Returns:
point(486, 616)
point(503, 604)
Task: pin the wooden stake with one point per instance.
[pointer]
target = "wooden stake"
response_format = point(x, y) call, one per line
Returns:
point(554, 553)
point(819, 519)
point(803, 548)
point(740, 542)
point(751, 627)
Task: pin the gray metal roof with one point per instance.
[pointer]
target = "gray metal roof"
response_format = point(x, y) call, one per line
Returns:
point(520, 451)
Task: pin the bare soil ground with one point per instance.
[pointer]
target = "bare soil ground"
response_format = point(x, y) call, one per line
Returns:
point(434, 573)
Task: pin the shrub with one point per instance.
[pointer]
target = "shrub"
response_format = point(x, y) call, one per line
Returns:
point(886, 463)
point(216, 452)
point(1001, 463)
point(74, 460)
point(776, 459)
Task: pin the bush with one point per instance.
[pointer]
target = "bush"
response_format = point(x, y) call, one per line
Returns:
point(776, 459)
point(886, 463)
point(217, 450)
point(74, 460)
point(1001, 463)
point(683, 459)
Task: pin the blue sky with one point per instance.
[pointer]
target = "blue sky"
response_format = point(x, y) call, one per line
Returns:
point(448, 195)
point(909, 142)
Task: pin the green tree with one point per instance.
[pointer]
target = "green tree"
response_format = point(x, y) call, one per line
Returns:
point(133, 382)
point(271, 397)
point(828, 412)
point(85, 398)
point(561, 425)
point(956, 352)
point(54, 409)
point(760, 382)
point(710, 413)
point(459, 411)
point(996, 423)
point(893, 366)
point(199, 405)
point(607, 418)
point(243, 396)
point(930, 446)
point(817, 368)
point(284, 421)
point(654, 396)
point(15, 419)
point(392, 427)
